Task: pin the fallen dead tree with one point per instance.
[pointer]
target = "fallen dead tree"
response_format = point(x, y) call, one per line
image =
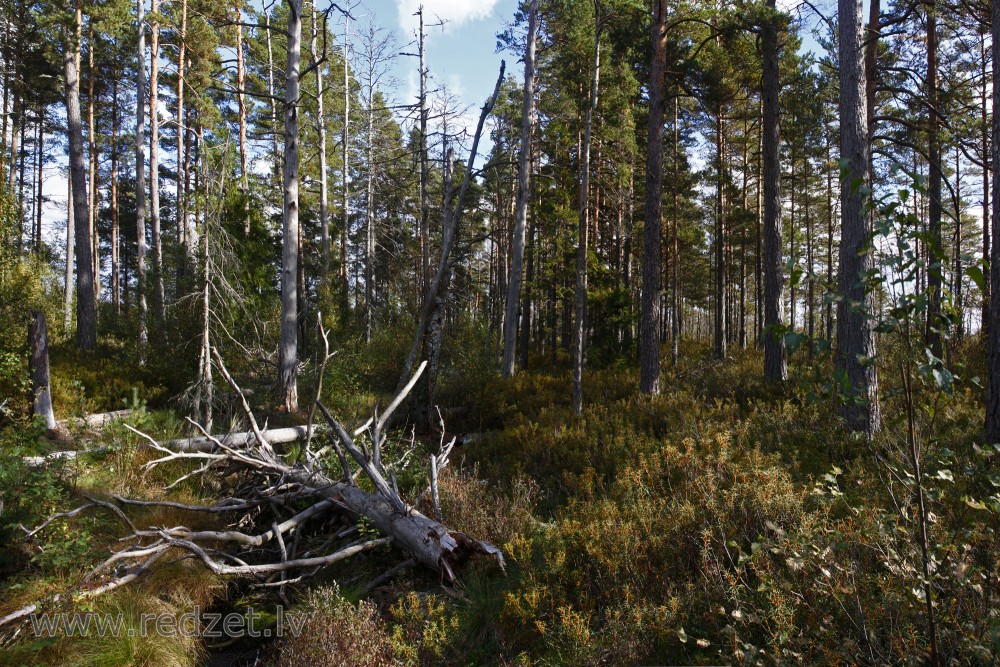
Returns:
point(282, 550)
point(278, 436)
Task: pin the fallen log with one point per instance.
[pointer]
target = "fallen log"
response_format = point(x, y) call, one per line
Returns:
point(244, 440)
point(195, 444)
point(270, 484)
point(98, 419)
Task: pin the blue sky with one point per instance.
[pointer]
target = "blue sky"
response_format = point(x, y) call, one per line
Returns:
point(461, 56)
point(461, 53)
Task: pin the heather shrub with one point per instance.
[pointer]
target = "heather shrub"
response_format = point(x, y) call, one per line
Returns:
point(337, 633)
point(641, 573)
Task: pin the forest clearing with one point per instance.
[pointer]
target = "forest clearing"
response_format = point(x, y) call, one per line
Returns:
point(664, 332)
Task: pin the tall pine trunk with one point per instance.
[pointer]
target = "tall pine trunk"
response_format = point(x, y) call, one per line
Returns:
point(984, 120)
point(154, 166)
point(242, 118)
point(775, 363)
point(855, 337)
point(652, 243)
point(324, 205)
point(86, 306)
point(116, 292)
point(424, 167)
point(345, 180)
point(68, 278)
point(288, 357)
point(721, 325)
point(510, 322)
point(140, 181)
point(935, 250)
point(580, 301)
point(675, 320)
point(993, 337)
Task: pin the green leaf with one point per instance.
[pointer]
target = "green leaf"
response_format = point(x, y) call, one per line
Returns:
point(976, 274)
point(793, 341)
point(944, 379)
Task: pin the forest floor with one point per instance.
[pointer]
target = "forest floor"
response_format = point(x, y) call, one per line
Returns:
point(722, 521)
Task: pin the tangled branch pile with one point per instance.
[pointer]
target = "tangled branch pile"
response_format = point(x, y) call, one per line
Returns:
point(270, 482)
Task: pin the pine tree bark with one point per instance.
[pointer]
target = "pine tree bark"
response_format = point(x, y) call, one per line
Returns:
point(775, 360)
point(993, 338)
point(346, 175)
point(140, 182)
point(116, 291)
point(721, 326)
point(15, 120)
point(40, 180)
point(288, 357)
point(652, 242)
point(580, 301)
point(184, 230)
point(510, 322)
point(424, 168)
point(68, 277)
point(855, 337)
point(675, 320)
point(324, 197)
point(934, 178)
point(154, 166)
point(241, 104)
point(86, 306)
point(985, 123)
point(93, 167)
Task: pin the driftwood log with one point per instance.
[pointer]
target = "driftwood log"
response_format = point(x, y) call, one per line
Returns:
point(268, 482)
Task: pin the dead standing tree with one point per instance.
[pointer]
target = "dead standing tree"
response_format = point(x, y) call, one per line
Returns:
point(269, 482)
point(437, 289)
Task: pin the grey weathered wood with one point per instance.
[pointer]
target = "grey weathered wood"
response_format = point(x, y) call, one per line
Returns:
point(38, 341)
point(140, 182)
point(288, 360)
point(523, 192)
point(451, 231)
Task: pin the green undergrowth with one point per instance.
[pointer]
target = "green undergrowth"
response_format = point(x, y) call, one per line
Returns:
point(723, 521)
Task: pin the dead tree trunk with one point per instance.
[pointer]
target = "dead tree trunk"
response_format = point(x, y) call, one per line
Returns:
point(140, 184)
point(242, 118)
point(425, 252)
point(38, 341)
point(426, 541)
point(510, 323)
point(448, 239)
point(324, 197)
point(288, 358)
point(345, 179)
point(154, 166)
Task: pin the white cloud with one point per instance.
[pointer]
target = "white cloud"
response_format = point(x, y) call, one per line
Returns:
point(452, 12)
